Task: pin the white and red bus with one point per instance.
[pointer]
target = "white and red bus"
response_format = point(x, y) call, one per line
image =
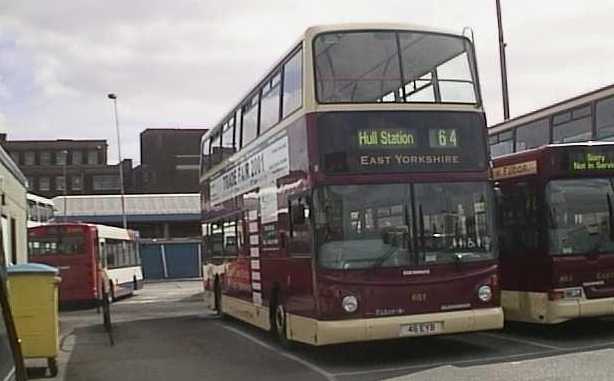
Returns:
point(89, 257)
point(557, 232)
point(347, 196)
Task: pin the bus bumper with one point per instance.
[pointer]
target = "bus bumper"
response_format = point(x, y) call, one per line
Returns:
point(534, 307)
point(317, 332)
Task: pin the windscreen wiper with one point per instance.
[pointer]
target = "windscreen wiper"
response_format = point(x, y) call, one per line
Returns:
point(380, 260)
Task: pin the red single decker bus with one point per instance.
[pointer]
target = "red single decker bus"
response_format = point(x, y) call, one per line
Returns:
point(89, 257)
point(347, 196)
point(557, 232)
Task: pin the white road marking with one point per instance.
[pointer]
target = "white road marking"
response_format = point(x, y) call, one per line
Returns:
point(521, 341)
point(439, 364)
point(327, 375)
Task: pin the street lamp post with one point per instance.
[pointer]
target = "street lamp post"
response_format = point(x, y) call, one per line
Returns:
point(121, 167)
point(65, 154)
point(503, 63)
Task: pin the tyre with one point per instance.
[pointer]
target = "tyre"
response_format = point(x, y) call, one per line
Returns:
point(279, 325)
point(112, 297)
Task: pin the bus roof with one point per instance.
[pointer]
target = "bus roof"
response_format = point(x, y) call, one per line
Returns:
point(104, 231)
point(552, 109)
point(549, 147)
point(308, 35)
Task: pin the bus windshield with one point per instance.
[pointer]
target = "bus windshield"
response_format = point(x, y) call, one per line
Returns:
point(388, 66)
point(364, 226)
point(580, 215)
point(56, 244)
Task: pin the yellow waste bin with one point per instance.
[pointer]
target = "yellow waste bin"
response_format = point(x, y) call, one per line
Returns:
point(33, 297)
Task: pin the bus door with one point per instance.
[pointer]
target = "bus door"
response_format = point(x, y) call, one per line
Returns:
point(523, 256)
point(300, 236)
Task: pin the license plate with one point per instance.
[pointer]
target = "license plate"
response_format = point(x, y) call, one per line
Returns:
point(421, 329)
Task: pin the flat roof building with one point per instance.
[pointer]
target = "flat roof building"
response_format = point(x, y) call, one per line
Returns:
point(65, 166)
point(170, 160)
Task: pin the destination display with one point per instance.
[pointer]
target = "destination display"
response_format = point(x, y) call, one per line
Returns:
point(369, 142)
point(591, 160)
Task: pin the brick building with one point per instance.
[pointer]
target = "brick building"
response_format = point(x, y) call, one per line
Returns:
point(80, 165)
point(170, 161)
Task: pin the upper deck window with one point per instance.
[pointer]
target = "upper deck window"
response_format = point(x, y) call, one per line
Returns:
point(605, 118)
point(502, 143)
point(532, 135)
point(572, 126)
point(293, 83)
point(384, 66)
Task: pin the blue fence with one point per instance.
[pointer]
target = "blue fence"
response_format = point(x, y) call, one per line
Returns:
point(171, 260)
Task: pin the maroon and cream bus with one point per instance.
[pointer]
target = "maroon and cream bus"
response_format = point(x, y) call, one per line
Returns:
point(557, 232)
point(347, 196)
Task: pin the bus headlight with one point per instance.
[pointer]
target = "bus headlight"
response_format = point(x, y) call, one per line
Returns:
point(485, 293)
point(349, 303)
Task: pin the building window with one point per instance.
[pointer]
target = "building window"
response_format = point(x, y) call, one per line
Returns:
point(30, 182)
point(605, 119)
point(76, 183)
point(45, 158)
point(15, 157)
point(60, 157)
point(92, 157)
point(43, 183)
point(293, 83)
point(106, 182)
point(60, 183)
point(29, 158)
point(77, 157)
point(572, 126)
point(532, 135)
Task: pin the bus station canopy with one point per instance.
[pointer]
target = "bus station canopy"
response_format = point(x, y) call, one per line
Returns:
point(139, 207)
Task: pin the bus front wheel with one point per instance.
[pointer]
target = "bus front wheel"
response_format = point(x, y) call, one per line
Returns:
point(111, 292)
point(279, 325)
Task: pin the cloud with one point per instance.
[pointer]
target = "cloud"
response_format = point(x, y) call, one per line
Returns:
point(187, 62)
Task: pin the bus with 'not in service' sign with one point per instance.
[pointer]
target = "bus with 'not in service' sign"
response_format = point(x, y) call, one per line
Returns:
point(347, 197)
point(556, 212)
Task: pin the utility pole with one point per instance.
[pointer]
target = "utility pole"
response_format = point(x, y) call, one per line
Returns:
point(65, 154)
point(503, 63)
point(121, 167)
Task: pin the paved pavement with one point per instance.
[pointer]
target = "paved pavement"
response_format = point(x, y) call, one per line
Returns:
point(165, 333)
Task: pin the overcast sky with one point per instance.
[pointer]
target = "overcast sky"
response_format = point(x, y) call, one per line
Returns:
point(184, 63)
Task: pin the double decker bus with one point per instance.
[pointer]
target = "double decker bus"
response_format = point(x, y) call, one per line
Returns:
point(347, 196)
point(557, 232)
point(89, 258)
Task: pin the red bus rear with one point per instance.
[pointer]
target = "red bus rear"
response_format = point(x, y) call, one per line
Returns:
point(89, 257)
point(72, 248)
